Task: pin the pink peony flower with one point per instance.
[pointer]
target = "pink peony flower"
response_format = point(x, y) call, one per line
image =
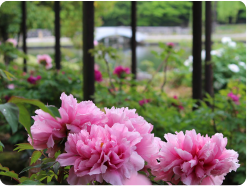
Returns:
point(45, 59)
point(97, 75)
point(11, 86)
point(170, 45)
point(47, 131)
point(104, 153)
point(7, 98)
point(31, 79)
point(96, 66)
point(95, 42)
point(194, 159)
point(121, 71)
point(144, 101)
point(80, 116)
point(13, 41)
point(149, 144)
point(137, 179)
point(179, 106)
point(234, 98)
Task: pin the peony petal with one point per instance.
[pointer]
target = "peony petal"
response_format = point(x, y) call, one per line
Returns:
point(66, 159)
point(50, 142)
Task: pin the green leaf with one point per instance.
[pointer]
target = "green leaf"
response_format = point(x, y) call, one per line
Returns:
point(11, 174)
point(24, 117)
point(54, 110)
point(11, 113)
point(4, 168)
point(30, 167)
point(47, 165)
point(6, 75)
point(31, 182)
point(56, 166)
point(49, 160)
point(23, 178)
point(35, 156)
point(16, 99)
point(1, 147)
point(23, 146)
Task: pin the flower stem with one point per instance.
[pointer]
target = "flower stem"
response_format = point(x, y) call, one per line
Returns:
point(108, 71)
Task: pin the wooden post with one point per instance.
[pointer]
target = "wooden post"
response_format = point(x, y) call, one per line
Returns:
point(133, 39)
point(208, 65)
point(57, 35)
point(24, 34)
point(88, 59)
point(197, 47)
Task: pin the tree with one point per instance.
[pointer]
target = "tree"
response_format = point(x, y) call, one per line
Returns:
point(150, 13)
point(228, 11)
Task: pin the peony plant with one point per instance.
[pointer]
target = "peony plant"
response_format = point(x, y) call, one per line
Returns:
point(81, 144)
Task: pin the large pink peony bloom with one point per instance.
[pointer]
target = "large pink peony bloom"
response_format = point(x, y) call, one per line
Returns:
point(47, 131)
point(45, 59)
point(194, 159)
point(13, 41)
point(120, 71)
point(234, 98)
point(137, 179)
point(149, 144)
point(104, 153)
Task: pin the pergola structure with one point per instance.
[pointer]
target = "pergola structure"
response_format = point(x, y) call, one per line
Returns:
point(88, 43)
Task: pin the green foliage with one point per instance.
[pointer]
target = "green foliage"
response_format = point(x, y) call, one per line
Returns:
point(23, 146)
point(10, 112)
point(227, 9)
point(6, 75)
point(150, 13)
point(20, 100)
point(35, 156)
point(4, 171)
point(1, 146)
point(9, 20)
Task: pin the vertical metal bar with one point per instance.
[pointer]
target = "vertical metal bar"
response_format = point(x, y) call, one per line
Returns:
point(57, 35)
point(197, 47)
point(133, 38)
point(208, 65)
point(24, 33)
point(88, 59)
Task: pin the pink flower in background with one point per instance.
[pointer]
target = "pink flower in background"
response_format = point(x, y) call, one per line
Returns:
point(137, 179)
point(7, 98)
point(120, 71)
point(104, 153)
point(97, 75)
point(96, 66)
point(179, 106)
point(149, 145)
point(11, 86)
point(170, 45)
point(194, 159)
point(234, 98)
point(13, 41)
point(31, 79)
point(144, 101)
point(95, 42)
point(45, 59)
